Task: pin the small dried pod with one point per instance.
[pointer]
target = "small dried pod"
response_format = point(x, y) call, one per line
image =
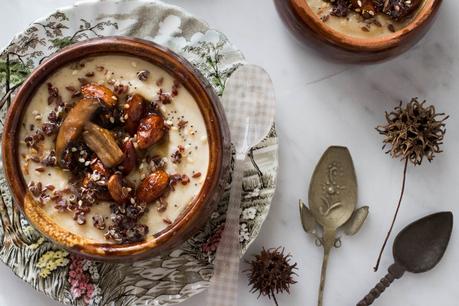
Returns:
point(151, 129)
point(97, 91)
point(152, 187)
point(130, 157)
point(271, 272)
point(116, 188)
point(134, 110)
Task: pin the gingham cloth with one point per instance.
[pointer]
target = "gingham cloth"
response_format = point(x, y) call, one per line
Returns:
point(249, 106)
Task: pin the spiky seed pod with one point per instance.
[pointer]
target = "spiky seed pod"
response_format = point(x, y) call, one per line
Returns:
point(271, 273)
point(413, 131)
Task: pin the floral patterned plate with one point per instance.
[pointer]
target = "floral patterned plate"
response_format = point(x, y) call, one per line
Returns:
point(164, 280)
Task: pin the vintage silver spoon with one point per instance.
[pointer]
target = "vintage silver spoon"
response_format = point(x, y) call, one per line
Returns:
point(249, 103)
point(332, 204)
point(417, 248)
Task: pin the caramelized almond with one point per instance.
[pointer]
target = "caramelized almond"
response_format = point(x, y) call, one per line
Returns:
point(117, 191)
point(135, 111)
point(130, 157)
point(151, 129)
point(96, 91)
point(152, 187)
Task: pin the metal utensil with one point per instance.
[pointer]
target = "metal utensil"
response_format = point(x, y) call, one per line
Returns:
point(332, 202)
point(249, 103)
point(417, 248)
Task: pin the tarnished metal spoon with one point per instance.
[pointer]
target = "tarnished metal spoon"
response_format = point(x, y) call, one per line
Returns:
point(417, 248)
point(332, 204)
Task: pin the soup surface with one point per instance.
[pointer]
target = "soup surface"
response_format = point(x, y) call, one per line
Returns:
point(113, 149)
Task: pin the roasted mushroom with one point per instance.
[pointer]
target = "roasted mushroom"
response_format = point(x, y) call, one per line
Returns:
point(134, 111)
point(103, 143)
point(96, 91)
point(73, 125)
point(152, 187)
point(151, 129)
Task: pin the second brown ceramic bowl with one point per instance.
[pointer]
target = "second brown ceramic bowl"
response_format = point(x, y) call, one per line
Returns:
point(196, 213)
point(312, 31)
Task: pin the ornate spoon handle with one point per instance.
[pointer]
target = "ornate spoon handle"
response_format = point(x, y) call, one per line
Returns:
point(328, 240)
point(396, 271)
point(224, 283)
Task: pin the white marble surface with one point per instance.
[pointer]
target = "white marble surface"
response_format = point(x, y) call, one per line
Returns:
point(319, 104)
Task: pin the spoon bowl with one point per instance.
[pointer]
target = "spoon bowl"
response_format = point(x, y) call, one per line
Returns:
point(421, 245)
point(249, 102)
point(418, 248)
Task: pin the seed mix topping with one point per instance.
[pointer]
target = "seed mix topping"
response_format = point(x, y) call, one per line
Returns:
point(397, 10)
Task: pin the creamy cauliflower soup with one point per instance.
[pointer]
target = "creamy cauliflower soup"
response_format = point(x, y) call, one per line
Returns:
point(113, 149)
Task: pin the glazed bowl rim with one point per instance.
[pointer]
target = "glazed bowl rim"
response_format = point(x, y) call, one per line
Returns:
point(217, 132)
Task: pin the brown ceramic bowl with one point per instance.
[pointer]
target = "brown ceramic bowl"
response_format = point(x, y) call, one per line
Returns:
point(311, 30)
point(196, 213)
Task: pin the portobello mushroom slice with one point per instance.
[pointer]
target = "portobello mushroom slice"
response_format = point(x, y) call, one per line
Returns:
point(74, 124)
point(103, 143)
point(96, 91)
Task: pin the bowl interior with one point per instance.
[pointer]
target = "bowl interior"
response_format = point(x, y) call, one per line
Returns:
point(192, 217)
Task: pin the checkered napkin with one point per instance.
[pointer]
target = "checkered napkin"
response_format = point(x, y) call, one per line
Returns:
point(249, 106)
